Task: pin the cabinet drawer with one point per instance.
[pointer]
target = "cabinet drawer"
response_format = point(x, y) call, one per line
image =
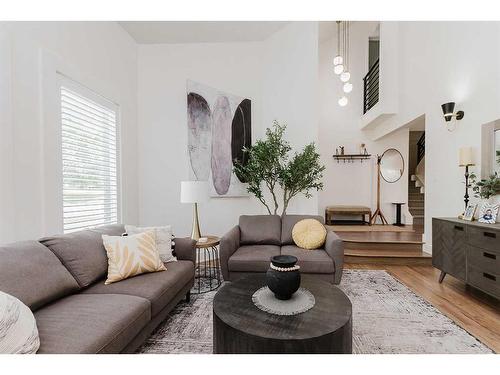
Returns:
point(448, 247)
point(484, 238)
point(487, 260)
point(488, 282)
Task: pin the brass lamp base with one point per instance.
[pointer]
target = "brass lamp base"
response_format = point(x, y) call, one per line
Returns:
point(195, 233)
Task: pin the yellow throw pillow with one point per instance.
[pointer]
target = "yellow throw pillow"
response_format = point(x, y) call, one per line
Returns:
point(131, 255)
point(309, 234)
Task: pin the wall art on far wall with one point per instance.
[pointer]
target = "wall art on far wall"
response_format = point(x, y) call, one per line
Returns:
point(219, 126)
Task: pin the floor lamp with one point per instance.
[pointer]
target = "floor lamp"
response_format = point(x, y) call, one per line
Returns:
point(194, 192)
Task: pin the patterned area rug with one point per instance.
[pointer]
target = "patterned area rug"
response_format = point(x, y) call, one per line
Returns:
point(387, 318)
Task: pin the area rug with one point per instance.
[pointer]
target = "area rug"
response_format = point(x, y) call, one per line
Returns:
point(370, 228)
point(387, 318)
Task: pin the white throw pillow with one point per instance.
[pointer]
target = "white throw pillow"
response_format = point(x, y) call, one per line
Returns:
point(18, 331)
point(163, 240)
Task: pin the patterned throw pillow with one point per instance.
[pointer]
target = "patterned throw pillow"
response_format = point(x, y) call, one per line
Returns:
point(18, 331)
point(163, 240)
point(131, 255)
point(309, 234)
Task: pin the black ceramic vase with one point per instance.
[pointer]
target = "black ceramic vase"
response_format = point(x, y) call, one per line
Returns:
point(284, 278)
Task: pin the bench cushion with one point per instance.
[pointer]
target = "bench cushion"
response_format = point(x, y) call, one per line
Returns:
point(159, 288)
point(252, 258)
point(310, 261)
point(91, 323)
point(260, 229)
point(83, 253)
point(287, 224)
point(30, 272)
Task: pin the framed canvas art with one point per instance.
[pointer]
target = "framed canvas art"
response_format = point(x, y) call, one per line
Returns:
point(219, 128)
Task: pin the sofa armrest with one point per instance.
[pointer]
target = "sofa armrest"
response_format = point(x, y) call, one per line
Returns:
point(229, 243)
point(334, 247)
point(185, 249)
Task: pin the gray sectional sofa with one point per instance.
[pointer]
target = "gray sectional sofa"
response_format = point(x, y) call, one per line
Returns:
point(248, 247)
point(61, 278)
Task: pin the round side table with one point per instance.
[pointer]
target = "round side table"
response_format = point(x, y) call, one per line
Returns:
point(207, 269)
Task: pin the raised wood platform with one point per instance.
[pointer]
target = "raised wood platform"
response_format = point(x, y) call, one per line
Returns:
point(379, 247)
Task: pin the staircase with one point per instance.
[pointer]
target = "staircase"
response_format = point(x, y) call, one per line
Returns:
point(416, 186)
point(394, 248)
point(416, 202)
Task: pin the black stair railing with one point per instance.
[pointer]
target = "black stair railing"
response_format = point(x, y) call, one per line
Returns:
point(371, 87)
point(421, 148)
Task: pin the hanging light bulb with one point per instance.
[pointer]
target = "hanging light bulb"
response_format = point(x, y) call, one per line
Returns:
point(338, 60)
point(345, 76)
point(343, 101)
point(347, 87)
point(338, 69)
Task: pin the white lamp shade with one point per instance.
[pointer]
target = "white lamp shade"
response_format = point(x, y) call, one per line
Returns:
point(194, 191)
point(347, 87)
point(465, 156)
point(343, 101)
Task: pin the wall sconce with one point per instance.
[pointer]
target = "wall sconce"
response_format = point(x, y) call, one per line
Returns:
point(448, 113)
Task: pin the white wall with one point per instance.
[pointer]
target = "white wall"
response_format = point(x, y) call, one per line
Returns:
point(162, 138)
point(353, 183)
point(6, 141)
point(279, 75)
point(290, 91)
point(441, 62)
point(99, 55)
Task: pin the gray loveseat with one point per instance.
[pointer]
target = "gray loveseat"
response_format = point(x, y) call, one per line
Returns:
point(61, 278)
point(248, 247)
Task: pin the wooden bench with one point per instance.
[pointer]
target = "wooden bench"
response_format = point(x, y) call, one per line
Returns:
point(347, 210)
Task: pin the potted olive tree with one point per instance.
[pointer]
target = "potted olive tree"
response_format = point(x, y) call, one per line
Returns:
point(270, 166)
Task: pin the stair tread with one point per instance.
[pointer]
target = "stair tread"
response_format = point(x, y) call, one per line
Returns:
point(386, 253)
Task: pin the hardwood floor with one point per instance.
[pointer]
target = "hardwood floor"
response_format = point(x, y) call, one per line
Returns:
point(472, 310)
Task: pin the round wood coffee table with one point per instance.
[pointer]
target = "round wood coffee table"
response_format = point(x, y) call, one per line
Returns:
point(241, 327)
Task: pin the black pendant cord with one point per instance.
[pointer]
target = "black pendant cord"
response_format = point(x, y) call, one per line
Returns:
point(466, 196)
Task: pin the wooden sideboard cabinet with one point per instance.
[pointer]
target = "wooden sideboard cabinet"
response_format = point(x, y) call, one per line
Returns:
point(469, 251)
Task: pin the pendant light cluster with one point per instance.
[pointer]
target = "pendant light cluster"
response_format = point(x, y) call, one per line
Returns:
point(341, 60)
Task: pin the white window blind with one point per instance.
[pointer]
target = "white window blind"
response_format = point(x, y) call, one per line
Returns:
point(89, 160)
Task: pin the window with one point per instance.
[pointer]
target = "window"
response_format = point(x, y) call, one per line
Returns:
point(89, 159)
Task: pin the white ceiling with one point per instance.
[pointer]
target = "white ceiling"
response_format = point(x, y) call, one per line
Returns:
point(157, 32)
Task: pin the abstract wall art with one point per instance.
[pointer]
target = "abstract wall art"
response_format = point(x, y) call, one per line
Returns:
point(219, 127)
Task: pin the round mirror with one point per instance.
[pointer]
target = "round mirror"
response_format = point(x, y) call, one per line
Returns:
point(392, 165)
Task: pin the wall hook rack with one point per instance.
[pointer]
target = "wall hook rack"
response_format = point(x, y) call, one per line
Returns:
point(351, 158)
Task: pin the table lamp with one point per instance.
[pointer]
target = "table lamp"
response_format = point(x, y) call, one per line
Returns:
point(194, 192)
point(465, 156)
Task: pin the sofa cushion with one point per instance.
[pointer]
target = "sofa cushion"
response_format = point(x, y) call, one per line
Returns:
point(310, 261)
point(287, 224)
point(30, 272)
point(159, 288)
point(91, 323)
point(131, 255)
point(18, 332)
point(309, 234)
point(252, 258)
point(83, 253)
point(260, 229)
